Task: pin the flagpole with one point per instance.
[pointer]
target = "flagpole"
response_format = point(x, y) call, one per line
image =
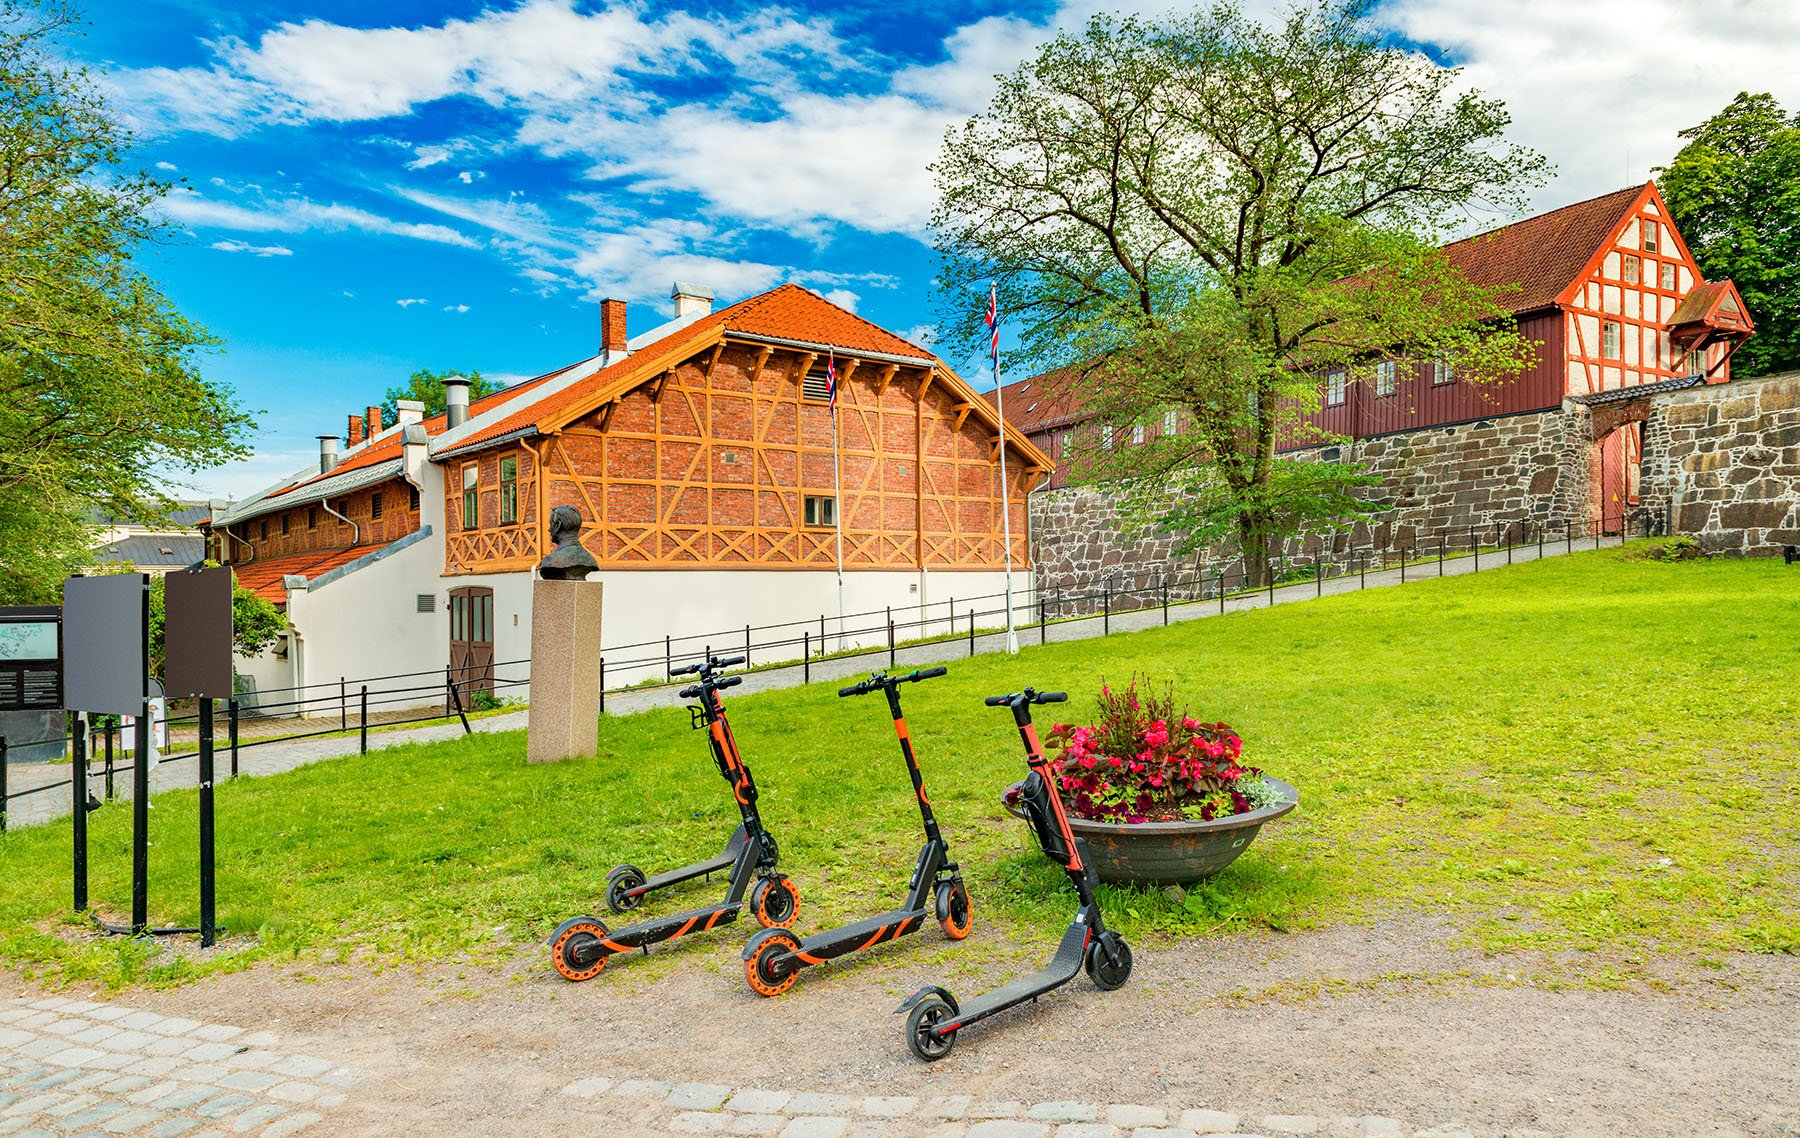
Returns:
point(837, 505)
point(1012, 638)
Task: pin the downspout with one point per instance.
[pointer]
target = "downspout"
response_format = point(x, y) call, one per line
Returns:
point(226, 530)
point(355, 530)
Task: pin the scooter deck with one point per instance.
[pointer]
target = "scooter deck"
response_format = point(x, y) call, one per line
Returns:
point(1063, 967)
point(673, 927)
point(833, 943)
point(687, 873)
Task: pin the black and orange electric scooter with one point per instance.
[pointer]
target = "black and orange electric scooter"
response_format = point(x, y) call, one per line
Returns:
point(935, 1016)
point(580, 946)
point(774, 957)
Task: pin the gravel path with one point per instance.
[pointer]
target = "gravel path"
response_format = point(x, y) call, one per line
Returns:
point(41, 805)
point(1381, 1030)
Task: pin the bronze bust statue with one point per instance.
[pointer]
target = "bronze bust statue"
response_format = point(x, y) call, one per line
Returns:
point(570, 560)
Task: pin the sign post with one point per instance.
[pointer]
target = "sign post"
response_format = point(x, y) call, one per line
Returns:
point(198, 655)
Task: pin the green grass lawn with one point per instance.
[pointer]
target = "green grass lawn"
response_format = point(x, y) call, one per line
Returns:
point(1596, 753)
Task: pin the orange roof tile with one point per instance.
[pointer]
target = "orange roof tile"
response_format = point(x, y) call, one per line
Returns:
point(388, 447)
point(787, 312)
point(1042, 402)
point(1542, 255)
point(263, 576)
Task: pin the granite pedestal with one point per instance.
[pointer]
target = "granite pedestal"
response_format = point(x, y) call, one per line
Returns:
point(564, 719)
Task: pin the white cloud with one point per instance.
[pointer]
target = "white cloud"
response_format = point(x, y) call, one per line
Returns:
point(429, 156)
point(167, 166)
point(458, 308)
point(1603, 87)
point(923, 335)
point(843, 298)
point(408, 302)
point(254, 250)
point(297, 215)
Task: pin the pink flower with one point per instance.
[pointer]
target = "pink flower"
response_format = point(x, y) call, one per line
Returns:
point(1085, 761)
point(1117, 762)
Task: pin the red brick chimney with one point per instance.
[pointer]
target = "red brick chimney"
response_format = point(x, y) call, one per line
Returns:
point(374, 414)
point(354, 433)
point(612, 326)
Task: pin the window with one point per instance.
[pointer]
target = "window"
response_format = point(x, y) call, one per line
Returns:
point(1068, 441)
point(265, 529)
point(1668, 275)
point(1169, 424)
point(1631, 268)
point(412, 498)
point(509, 490)
point(284, 525)
point(471, 511)
point(1106, 436)
point(1334, 389)
point(1648, 229)
point(816, 387)
point(1384, 377)
point(1442, 372)
point(312, 517)
point(1137, 434)
point(375, 505)
point(820, 510)
point(1609, 340)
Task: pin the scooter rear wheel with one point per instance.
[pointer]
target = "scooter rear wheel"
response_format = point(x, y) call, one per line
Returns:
point(761, 972)
point(570, 949)
point(953, 910)
point(1109, 973)
point(926, 1014)
point(776, 902)
point(619, 883)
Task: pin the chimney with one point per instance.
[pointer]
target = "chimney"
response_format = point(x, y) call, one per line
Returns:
point(456, 401)
point(409, 411)
point(354, 433)
point(691, 299)
point(328, 453)
point(612, 328)
point(374, 415)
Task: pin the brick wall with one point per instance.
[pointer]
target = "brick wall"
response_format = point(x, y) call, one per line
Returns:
point(399, 517)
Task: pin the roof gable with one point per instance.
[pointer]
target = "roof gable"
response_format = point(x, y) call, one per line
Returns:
point(1538, 260)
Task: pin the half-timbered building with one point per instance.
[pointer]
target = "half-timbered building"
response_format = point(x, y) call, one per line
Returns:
point(701, 456)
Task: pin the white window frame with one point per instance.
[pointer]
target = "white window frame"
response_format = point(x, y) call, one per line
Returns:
point(1385, 378)
point(1612, 340)
point(1336, 390)
point(819, 510)
point(1171, 424)
point(1442, 373)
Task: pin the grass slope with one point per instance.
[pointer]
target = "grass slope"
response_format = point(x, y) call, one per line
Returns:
point(1594, 753)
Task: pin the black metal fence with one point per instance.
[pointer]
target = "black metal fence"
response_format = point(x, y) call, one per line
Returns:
point(882, 632)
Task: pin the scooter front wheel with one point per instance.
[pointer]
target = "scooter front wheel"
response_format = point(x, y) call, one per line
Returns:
point(619, 884)
point(1109, 970)
point(765, 976)
point(572, 951)
point(776, 902)
point(953, 910)
point(926, 1014)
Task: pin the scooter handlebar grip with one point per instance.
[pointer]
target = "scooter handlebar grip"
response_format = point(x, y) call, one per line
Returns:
point(929, 674)
point(684, 670)
point(1051, 696)
point(854, 689)
point(999, 700)
point(689, 692)
point(728, 661)
point(729, 682)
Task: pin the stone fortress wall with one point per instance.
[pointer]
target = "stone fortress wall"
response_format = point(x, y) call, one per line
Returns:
point(1720, 462)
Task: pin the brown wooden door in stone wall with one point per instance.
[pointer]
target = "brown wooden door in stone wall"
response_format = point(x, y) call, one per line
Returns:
point(472, 641)
point(1621, 454)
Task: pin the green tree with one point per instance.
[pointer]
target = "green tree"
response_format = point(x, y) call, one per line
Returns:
point(1206, 214)
point(101, 396)
point(1734, 190)
point(427, 387)
point(255, 622)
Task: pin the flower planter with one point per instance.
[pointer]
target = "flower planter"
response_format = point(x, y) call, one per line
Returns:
point(1172, 853)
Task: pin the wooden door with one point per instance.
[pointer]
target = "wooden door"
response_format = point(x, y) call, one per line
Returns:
point(472, 641)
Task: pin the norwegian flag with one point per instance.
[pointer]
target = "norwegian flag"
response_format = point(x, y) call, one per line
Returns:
point(831, 379)
point(993, 323)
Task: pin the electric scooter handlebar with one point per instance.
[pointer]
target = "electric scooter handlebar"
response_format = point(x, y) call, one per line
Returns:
point(709, 665)
point(880, 680)
point(1019, 699)
point(692, 691)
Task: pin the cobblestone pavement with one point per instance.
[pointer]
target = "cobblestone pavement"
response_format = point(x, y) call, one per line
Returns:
point(76, 1069)
point(642, 1107)
point(274, 758)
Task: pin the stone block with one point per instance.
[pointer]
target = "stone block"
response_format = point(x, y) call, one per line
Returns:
point(1743, 515)
point(1209, 1121)
point(564, 720)
point(696, 1096)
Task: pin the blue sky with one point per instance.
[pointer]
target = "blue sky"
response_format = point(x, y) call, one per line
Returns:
point(375, 187)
